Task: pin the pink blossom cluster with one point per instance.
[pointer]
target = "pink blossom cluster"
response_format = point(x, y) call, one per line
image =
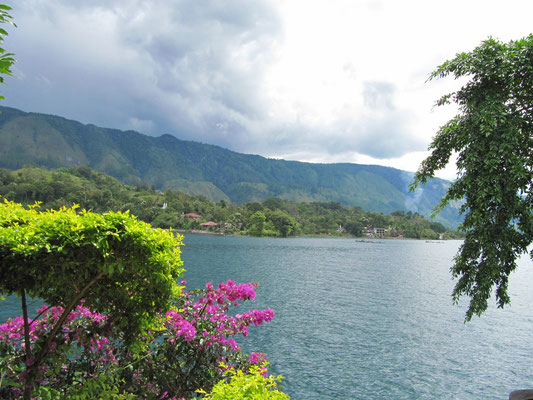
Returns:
point(257, 358)
point(179, 326)
point(229, 291)
point(199, 320)
point(260, 360)
point(80, 331)
point(77, 321)
point(209, 313)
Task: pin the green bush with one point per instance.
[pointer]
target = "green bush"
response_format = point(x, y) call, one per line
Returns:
point(253, 385)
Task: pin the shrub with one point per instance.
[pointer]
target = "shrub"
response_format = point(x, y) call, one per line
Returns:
point(252, 385)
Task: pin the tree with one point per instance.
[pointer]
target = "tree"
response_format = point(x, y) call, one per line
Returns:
point(492, 135)
point(257, 221)
point(283, 222)
point(113, 262)
point(353, 227)
point(254, 207)
point(6, 58)
point(273, 203)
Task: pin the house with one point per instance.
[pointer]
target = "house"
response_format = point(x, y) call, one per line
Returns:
point(380, 231)
point(193, 216)
point(207, 225)
point(375, 232)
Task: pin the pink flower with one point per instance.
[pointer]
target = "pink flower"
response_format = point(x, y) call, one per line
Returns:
point(257, 358)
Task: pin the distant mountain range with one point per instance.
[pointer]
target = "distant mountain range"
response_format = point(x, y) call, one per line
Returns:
point(218, 174)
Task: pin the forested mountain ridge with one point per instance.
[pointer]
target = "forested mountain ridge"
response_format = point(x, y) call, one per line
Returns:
point(218, 174)
point(95, 191)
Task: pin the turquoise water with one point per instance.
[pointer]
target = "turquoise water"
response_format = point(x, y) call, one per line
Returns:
point(368, 320)
point(372, 320)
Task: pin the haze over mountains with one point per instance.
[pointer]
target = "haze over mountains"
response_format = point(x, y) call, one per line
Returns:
point(218, 174)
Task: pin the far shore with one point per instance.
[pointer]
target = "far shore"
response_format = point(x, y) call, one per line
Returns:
point(324, 236)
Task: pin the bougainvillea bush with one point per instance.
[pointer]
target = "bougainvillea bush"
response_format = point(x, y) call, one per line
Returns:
point(190, 347)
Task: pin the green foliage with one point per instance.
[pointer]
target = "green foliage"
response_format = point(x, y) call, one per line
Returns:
point(117, 264)
point(493, 137)
point(283, 218)
point(282, 222)
point(54, 255)
point(6, 58)
point(247, 386)
point(354, 227)
point(101, 387)
point(257, 221)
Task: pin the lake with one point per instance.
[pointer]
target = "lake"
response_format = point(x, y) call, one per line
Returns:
point(369, 320)
point(372, 320)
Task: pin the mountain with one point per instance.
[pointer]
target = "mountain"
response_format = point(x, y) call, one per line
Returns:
point(218, 174)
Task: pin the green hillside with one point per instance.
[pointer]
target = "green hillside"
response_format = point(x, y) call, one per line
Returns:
point(98, 192)
point(218, 174)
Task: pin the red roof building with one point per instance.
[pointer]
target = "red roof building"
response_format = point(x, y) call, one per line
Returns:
point(193, 216)
point(208, 224)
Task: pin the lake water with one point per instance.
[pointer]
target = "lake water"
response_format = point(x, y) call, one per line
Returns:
point(369, 320)
point(372, 320)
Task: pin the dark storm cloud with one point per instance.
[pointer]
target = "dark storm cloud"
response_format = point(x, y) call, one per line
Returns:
point(180, 66)
point(193, 68)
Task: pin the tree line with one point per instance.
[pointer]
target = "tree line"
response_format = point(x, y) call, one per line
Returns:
point(274, 217)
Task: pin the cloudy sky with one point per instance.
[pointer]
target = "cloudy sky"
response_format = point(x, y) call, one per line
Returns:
point(308, 80)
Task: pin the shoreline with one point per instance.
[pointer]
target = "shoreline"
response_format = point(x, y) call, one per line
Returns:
point(319, 236)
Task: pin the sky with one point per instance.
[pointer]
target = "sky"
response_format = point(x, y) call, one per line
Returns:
point(309, 80)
